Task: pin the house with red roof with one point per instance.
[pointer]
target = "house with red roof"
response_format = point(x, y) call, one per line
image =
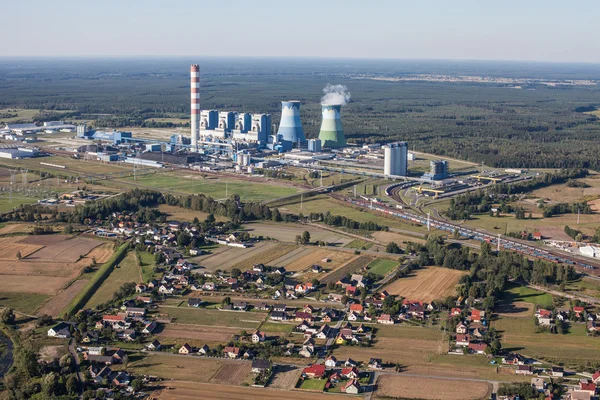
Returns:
point(477, 315)
point(596, 377)
point(463, 340)
point(314, 371)
point(587, 386)
point(357, 308)
point(578, 311)
point(385, 319)
point(455, 311)
point(350, 373)
point(477, 348)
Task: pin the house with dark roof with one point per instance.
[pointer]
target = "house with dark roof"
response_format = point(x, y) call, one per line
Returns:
point(260, 365)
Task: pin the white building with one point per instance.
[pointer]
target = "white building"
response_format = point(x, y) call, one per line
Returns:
point(590, 251)
point(395, 159)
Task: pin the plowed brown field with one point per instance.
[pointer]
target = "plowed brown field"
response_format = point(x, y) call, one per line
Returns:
point(430, 388)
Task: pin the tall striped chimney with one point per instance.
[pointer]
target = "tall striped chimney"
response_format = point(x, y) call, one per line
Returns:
point(195, 105)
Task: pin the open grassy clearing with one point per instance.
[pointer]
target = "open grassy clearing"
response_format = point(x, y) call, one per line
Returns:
point(199, 334)
point(73, 167)
point(382, 266)
point(404, 331)
point(398, 238)
point(287, 232)
point(127, 271)
point(147, 265)
point(426, 284)
point(359, 244)
point(515, 293)
point(8, 202)
point(201, 316)
point(585, 285)
point(24, 302)
point(313, 384)
point(430, 388)
point(181, 214)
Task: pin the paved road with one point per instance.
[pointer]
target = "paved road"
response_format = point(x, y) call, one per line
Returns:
point(80, 377)
point(337, 328)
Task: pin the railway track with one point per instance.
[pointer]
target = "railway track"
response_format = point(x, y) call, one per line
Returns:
point(558, 257)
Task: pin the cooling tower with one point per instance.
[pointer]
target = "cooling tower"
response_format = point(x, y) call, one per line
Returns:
point(290, 127)
point(332, 133)
point(195, 105)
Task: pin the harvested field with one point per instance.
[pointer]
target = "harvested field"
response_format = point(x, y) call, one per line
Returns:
point(11, 245)
point(69, 250)
point(226, 257)
point(15, 228)
point(215, 318)
point(45, 240)
point(55, 305)
point(315, 256)
point(285, 377)
point(232, 373)
point(426, 284)
point(292, 256)
point(101, 253)
point(265, 256)
point(554, 233)
point(177, 367)
point(350, 267)
point(209, 334)
point(33, 284)
point(443, 389)
point(192, 391)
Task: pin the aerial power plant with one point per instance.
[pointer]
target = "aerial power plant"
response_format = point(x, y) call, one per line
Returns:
point(395, 162)
point(195, 105)
point(290, 127)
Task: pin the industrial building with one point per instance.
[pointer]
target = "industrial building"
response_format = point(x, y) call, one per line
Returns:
point(590, 251)
point(290, 126)
point(56, 126)
point(332, 133)
point(395, 161)
point(208, 120)
point(314, 145)
point(114, 136)
point(17, 152)
point(438, 170)
point(23, 129)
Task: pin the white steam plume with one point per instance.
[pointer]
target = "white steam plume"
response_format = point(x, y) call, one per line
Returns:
point(335, 94)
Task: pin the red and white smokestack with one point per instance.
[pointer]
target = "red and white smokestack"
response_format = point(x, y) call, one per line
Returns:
point(195, 104)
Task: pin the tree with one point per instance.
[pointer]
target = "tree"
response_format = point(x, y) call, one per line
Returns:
point(392, 247)
point(344, 299)
point(305, 237)
point(8, 316)
point(68, 230)
point(19, 254)
point(137, 385)
point(226, 301)
point(72, 385)
point(236, 272)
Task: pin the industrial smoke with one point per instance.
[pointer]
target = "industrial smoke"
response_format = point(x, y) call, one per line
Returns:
point(335, 95)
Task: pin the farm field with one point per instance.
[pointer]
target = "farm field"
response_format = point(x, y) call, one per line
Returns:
point(216, 318)
point(285, 377)
point(265, 256)
point(382, 266)
point(288, 232)
point(195, 332)
point(314, 255)
point(177, 367)
point(398, 238)
point(232, 373)
point(8, 228)
point(48, 269)
point(73, 167)
point(11, 245)
point(7, 202)
point(350, 267)
point(55, 305)
point(426, 284)
point(128, 270)
point(227, 257)
point(217, 188)
point(182, 214)
point(24, 302)
point(192, 391)
point(430, 388)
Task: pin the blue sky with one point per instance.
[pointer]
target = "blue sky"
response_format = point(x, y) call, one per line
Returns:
point(436, 29)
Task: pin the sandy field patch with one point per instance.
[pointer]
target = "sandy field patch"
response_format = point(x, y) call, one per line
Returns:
point(49, 353)
point(430, 388)
point(426, 284)
point(69, 250)
point(10, 245)
point(192, 391)
point(232, 373)
point(181, 331)
point(55, 305)
point(264, 256)
point(285, 377)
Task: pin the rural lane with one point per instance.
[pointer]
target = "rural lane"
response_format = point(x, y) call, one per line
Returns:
point(584, 298)
point(80, 377)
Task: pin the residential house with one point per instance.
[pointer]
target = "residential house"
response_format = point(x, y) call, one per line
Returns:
point(578, 310)
point(352, 316)
point(356, 308)
point(120, 378)
point(346, 333)
point(592, 326)
point(350, 372)
point(461, 328)
point(385, 319)
point(350, 363)
point(477, 348)
point(596, 378)
point(539, 384)
point(308, 309)
point(278, 316)
point(330, 362)
point(280, 307)
point(586, 385)
point(259, 365)
point(262, 306)
point(290, 284)
point(209, 286)
point(194, 302)
point(140, 288)
point(204, 350)
point(524, 370)
point(135, 311)
point(60, 331)
point(231, 351)
point(240, 305)
point(455, 312)
point(463, 340)
point(149, 327)
point(477, 315)
point(279, 270)
point(324, 332)
point(335, 297)
point(316, 269)
point(557, 371)
point(513, 359)
point(344, 282)
point(258, 337)
point(314, 371)
point(375, 363)
point(544, 317)
point(185, 349)
point(144, 299)
point(351, 387)
point(153, 346)
point(128, 335)
point(89, 337)
point(258, 267)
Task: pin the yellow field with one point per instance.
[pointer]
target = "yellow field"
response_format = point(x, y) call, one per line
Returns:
point(426, 284)
point(430, 388)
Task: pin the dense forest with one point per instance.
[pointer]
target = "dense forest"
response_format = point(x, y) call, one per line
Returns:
point(501, 125)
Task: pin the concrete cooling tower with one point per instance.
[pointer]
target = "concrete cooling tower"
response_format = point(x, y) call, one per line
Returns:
point(332, 133)
point(290, 127)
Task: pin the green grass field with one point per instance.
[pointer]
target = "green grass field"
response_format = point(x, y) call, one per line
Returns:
point(274, 327)
point(6, 204)
point(216, 188)
point(382, 266)
point(359, 244)
point(147, 266)
point(588, 286)
point(24, 302)
point(127, 271)
point(200, 316)
point(523, 293)
point(314, 384)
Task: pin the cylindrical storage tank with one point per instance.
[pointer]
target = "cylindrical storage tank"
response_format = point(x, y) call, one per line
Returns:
point(195, 105)
point(332, 133)
point(388, 160)
point(290, 127)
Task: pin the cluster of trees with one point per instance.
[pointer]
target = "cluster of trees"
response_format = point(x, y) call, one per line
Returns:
point(565, 208)
point(349, 223)
point(464, 205)
point(561, 176)
point(574, 233)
